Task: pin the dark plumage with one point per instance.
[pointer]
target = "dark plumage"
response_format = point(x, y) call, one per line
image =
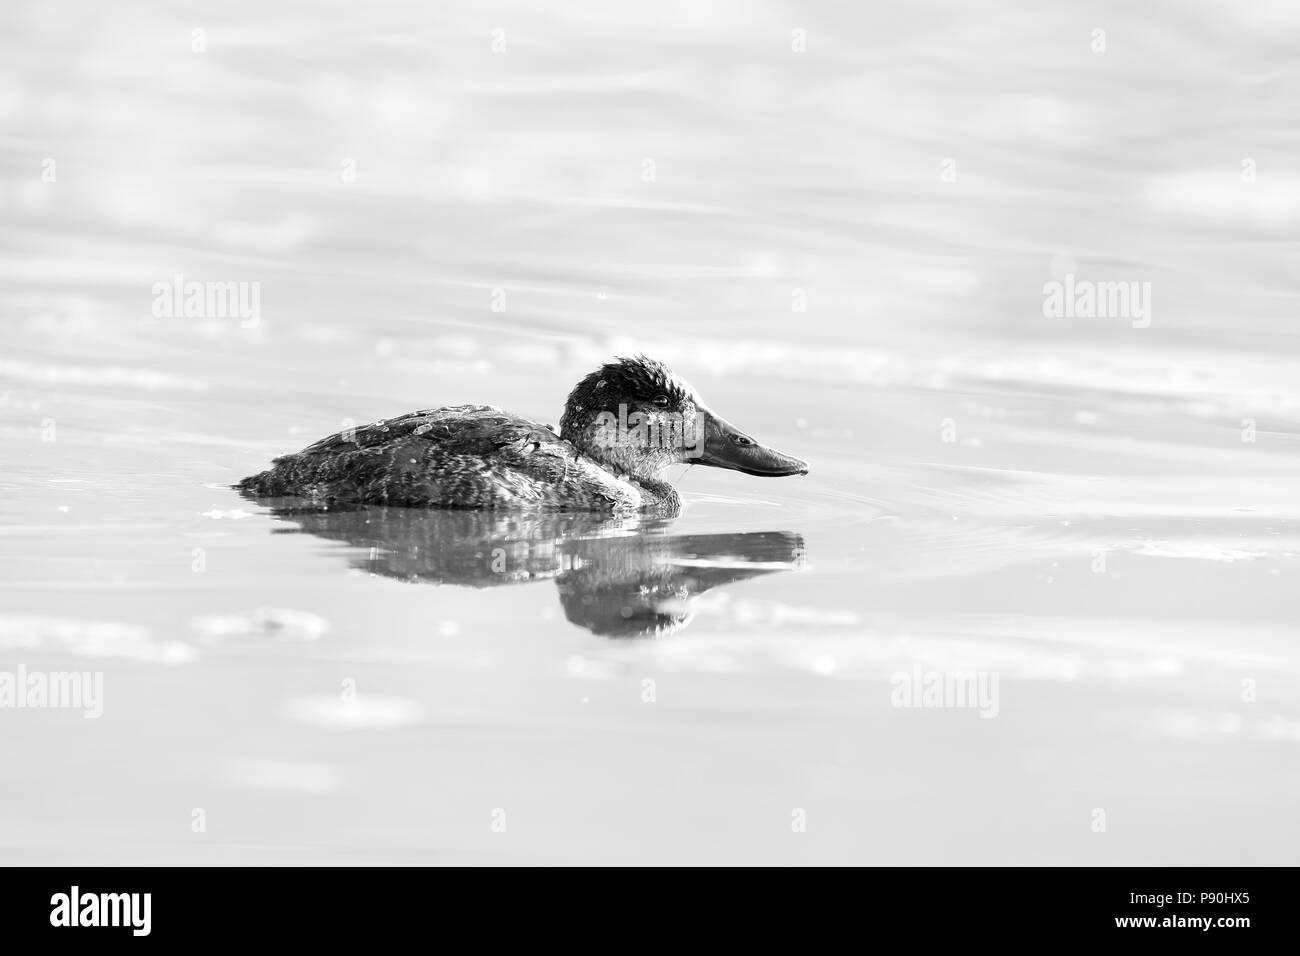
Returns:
point(623, 426)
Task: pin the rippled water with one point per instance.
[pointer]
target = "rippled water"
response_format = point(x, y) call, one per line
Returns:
point(844, 248)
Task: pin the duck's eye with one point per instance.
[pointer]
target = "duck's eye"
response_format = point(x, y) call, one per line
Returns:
point(661, 401)
point(742, 440)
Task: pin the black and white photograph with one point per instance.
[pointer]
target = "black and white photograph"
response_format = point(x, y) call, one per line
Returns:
point(753, 433)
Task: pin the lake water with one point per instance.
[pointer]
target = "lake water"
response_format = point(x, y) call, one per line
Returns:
point(841, 224)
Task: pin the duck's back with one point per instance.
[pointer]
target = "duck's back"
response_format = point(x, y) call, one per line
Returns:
point(464, 456)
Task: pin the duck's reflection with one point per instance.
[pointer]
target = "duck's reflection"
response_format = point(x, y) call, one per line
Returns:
point(621, 577)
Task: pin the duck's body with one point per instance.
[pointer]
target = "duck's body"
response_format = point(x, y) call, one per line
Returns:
point(624, 425)
point(464, 456)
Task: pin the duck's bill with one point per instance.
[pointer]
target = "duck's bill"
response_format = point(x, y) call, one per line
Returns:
point(725, 446)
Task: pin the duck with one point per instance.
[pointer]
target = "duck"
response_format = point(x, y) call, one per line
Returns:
point(623, 427)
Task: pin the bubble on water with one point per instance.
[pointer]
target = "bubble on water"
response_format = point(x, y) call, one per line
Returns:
point(282, 624)
point(823, 665)
point(233, 514)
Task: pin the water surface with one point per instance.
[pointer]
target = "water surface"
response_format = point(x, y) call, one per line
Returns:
point(844, 249)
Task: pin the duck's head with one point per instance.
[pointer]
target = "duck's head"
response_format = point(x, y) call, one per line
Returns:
point(636, 416)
